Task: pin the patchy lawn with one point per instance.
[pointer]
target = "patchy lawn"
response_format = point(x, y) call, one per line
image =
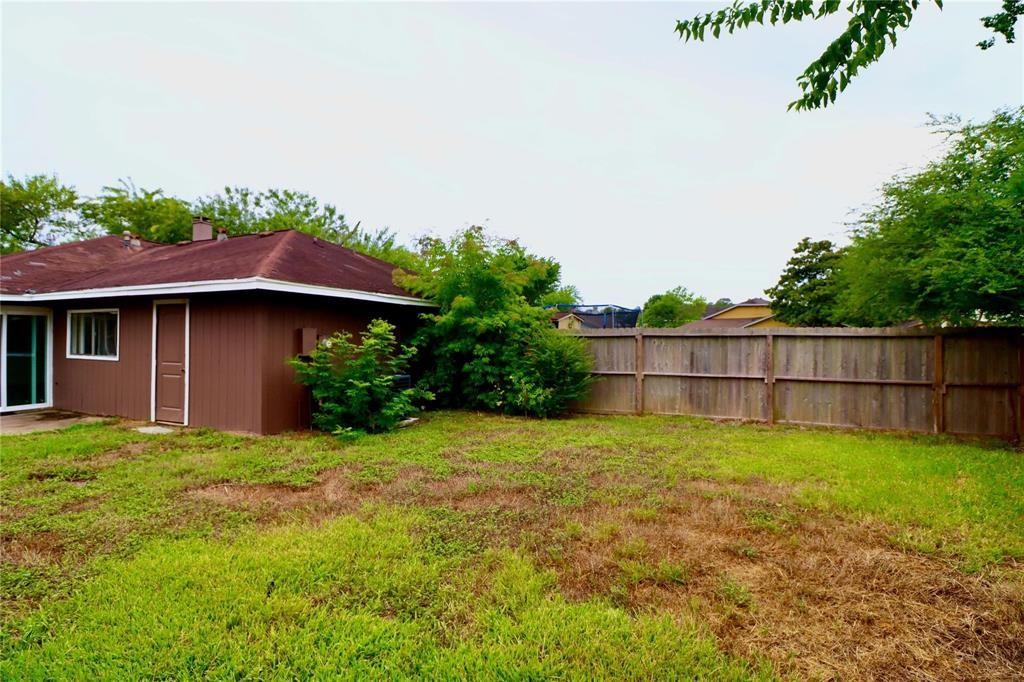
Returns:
point(479, 546)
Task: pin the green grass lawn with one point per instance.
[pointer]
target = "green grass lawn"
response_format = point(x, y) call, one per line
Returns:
point(477, 546)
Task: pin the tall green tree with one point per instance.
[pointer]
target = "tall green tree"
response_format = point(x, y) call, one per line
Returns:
point(872, 26)
point(240, 210)
point(807, 292)
point(945, 244)
point(38, 210)
point(673, 308)
point(567, 294)
point(490, 345)
point(149, 214)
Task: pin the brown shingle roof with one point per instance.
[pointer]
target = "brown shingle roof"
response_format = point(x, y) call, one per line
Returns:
point(105, 262)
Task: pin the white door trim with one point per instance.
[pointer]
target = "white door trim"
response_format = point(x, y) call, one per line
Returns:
point(152, 363)
point(42, 312)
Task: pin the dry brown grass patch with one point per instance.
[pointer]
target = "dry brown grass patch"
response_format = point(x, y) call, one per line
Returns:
point(337, 492)
point(32, 549)
point(127, 451)
point(818, 595)
point(823, 598)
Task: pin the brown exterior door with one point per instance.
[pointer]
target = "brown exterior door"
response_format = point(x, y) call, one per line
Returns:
point(170, 363)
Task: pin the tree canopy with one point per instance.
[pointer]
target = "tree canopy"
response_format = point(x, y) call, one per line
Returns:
point(873, 26)
point(673, 308)
point(490, 272)
point(490, 346)
point(806, 293)
point(38, 211)
point(240, 210)
point(945, 244)
point(148, 213)
point(567, 294)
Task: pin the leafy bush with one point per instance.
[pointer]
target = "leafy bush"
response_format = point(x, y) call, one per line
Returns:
point(490, 346)
point(552, 374)
point(354, 385)
point(673, 308)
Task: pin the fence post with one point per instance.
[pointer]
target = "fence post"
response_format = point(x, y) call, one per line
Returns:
point(769, 377)
point(639, 361)
point(939, 386)
point(1020, 389)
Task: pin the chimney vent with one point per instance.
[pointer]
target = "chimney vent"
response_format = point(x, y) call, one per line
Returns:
point(126, 238)
point(202, 229)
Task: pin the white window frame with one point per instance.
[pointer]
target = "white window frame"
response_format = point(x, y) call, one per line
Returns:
point(67, 336)
point(42, 312)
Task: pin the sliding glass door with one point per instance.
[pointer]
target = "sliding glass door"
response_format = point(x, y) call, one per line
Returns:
point(25, 354)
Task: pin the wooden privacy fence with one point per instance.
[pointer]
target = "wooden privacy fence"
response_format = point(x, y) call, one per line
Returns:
point(946, 381)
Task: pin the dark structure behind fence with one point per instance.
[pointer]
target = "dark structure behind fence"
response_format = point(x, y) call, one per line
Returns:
point(962, 381)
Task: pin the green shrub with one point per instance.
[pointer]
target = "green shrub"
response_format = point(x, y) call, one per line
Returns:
point(552, 373)
point(354, 385)
point(491, 346)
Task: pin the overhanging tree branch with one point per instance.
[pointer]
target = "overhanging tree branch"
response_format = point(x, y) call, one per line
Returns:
point(873, 24)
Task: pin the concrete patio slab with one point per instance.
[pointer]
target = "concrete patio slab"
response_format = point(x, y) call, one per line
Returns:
point(41, 420)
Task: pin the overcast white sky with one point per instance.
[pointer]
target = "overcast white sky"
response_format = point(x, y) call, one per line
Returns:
point(588, 131)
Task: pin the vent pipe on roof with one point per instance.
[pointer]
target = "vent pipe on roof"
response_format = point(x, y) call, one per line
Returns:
point(126, 239)
point(202, 229)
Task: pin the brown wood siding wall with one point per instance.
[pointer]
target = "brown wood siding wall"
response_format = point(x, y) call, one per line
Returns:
point(282, 318)
point(110, 388)
point(238, 347)
point(953, 381)
point(224, 354)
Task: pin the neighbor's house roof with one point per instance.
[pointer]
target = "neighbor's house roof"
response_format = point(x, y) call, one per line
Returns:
point(284, 260)
point(711, 310)
point(713, 318)
point(712, 323)
point(732, 323)
point(584, 319)
point(588, 320)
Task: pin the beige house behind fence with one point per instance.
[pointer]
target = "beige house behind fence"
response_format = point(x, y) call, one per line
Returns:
point(754, 313)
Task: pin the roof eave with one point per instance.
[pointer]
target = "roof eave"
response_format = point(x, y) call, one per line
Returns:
point(760, 319)
point(212, 286)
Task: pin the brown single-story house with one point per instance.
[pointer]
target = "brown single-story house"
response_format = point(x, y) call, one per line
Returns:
point(196, 333)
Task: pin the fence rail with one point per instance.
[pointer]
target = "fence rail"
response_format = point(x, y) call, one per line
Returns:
point(963, 381)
